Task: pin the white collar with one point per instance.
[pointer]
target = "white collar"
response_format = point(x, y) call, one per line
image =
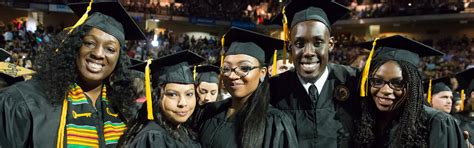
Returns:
point(319, 83)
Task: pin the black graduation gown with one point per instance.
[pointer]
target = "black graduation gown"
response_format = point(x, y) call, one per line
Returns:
point(29, 120)
point(155, 136)
point(444, 132)
point(327, 122)
point(217, 131)
point(466, 123)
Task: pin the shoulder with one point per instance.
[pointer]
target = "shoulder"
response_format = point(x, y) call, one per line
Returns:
point(275, 115)
point(343, 70)
point(283, 77)
point(435, 116)
point(17, 93)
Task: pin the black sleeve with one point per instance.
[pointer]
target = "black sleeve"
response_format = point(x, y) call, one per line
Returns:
point(15, 120)
point(279, 132)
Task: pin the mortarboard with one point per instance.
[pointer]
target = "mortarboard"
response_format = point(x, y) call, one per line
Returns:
point(325, 11)
point(400, 48)
point(111, 18)
point(172, 68)
point(396, 48)
point(250, 43)
point(12, 73)
point(4, 55)
point(134, 61)
point(207, 73)
point(466, 85)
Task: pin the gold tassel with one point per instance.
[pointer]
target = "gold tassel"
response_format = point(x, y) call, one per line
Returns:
point(62, 124)
point(428, 95)
point(462, 100)
point(222, 50)
point(149, 104)
point(286, 33)
point(82, 19)
point(194, 73)
point(274, 66)
point(365, 73)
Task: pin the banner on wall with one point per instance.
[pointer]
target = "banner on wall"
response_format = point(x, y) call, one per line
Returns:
point(244, 24)
point(202, 21)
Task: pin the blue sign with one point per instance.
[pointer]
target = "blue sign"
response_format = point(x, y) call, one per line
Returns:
point(202, 21)
point(244, 25)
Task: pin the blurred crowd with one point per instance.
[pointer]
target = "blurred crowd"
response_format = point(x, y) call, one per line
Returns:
point(24, 45)
point(406, 9)
point(261, 13)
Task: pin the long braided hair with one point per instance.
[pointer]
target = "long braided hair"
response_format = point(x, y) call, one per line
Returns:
point(412, 130)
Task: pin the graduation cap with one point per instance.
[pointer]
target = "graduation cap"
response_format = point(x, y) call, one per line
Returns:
point(466, 85)
point(109, 17)
point(12, 73)
point(435, 86)
point(134, 61)
point(325, 11)
point(259, 46)
point(4, 55)
point(172, 68)
point(396, 48)
point(207, 73)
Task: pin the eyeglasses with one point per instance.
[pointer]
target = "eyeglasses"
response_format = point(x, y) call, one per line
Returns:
point(393, 84)
point(240, 71)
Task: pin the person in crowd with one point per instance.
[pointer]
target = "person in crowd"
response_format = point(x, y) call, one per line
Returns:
point(160, 123)
point(281, 65)
point(456, 103)
point(393, 110)
point(246, 119)
point(207, 84)
point(319, 96)
point(466, 114)
point(82, 92)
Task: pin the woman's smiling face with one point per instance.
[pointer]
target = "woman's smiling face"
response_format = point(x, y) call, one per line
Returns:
point(98, 55)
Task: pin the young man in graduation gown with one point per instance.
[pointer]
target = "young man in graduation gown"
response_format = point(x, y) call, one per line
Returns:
point(441, 96)
point(82, 89)
point(319, 96)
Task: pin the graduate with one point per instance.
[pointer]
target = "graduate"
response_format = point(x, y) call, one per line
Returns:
point(160, 123)
point(393, 110)
point(456, 103)
point(318, 95)
point(281, 65)
point(245, 119)
point(207, 84)
point(466, 114)
point(81, 93)
point(441, 95)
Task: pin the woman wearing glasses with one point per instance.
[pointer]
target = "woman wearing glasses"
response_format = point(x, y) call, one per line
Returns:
point(246, 119)
point(393, 110)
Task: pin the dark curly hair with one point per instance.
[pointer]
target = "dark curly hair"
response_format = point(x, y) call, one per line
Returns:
point(412, 130)
point(57, 70)
point(182, 134)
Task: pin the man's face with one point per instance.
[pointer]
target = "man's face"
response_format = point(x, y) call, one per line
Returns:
point(280, 67)
point(310, 44)
point(442, 101)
